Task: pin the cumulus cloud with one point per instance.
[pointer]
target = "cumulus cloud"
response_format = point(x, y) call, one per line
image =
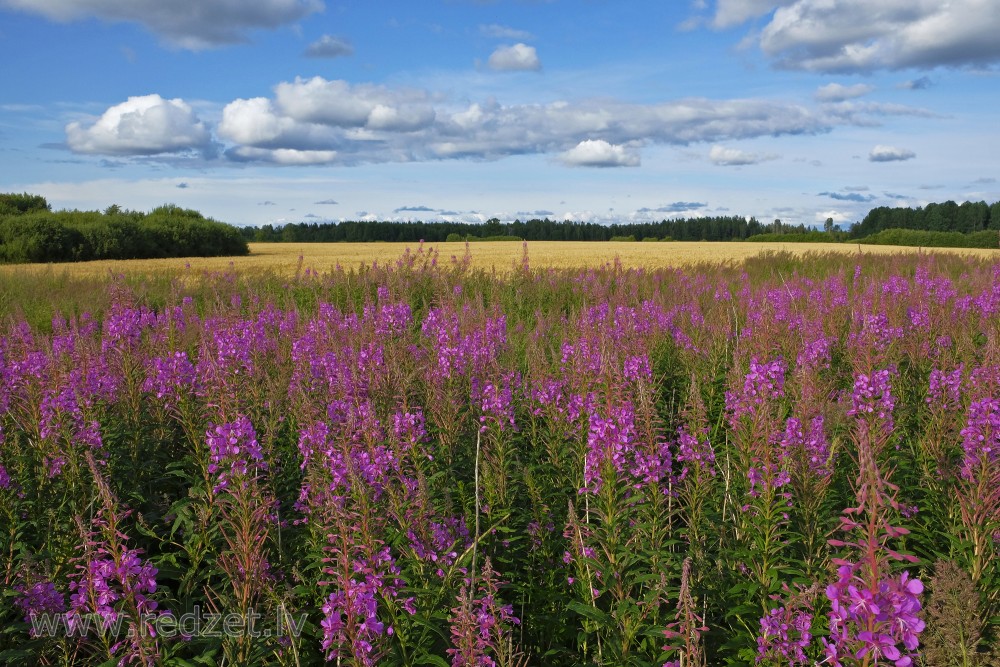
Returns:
point(368, 123)
point(600, 153)
point(341, 104)
point(504, 32)
point(329, 46)
point(319, 121)
point(734, 157)
point(191, 24)
point(863, 36)
point(144, 125)
point(519, 57)
point(282, 156)
point(835, 92)
point(838, 216)
point(890, 154)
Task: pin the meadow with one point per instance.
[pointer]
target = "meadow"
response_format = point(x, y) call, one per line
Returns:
point(501, 457)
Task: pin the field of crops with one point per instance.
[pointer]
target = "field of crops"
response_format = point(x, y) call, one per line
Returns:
point(785, 460)
point(502, 256)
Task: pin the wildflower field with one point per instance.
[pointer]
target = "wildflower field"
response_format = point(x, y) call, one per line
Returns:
point(792, 460)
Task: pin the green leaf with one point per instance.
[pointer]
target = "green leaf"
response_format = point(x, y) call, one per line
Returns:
point(588, 611)
point(430, 659)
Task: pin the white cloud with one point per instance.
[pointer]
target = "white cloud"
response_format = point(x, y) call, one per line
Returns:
point(599, 153)
point(283, 156)
point(319, 121)
point(729, 13)
point(838, 216)
point(835, 92)
point(329, 46)
point(145, 125)
point(862, 36)
point(191, 24)
point(254, 122)
point(504, 32)
point(519, 57)
point(890, 154)
point(734, 157)
point(340, 104)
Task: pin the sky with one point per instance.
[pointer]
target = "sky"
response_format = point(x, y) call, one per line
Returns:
point(278, 111)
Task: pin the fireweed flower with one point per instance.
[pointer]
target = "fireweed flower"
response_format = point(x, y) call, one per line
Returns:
point(889, 612)
point(61, 415)
point(123, 327)
point(784, 636)
point(981, 435)
point(233, 449)
point(945, 388)
point(350, 613)
point(813, 445)
point(815, 354)
point(100, 583)
point(611, 440)
point(694, 451)
point(637, 369)
point(170, 378)
point(441, 543)
point(761, 385)
point(38, 598)
point(498, 403)
point(480, 625)
point(873, 396)
point(409, 429)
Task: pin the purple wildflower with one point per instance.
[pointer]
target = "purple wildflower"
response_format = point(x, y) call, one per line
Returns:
point(233, 448)
point(981, 435)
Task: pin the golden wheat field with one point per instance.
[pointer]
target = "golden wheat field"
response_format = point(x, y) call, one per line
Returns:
point(287, 258)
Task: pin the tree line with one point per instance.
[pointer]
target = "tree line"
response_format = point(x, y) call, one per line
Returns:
point(967, 218)
point(720, 228)
point(31, 232)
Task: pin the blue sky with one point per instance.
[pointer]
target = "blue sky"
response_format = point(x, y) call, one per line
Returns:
point(278, 111)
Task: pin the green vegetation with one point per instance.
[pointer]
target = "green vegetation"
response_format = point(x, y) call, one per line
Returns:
point(809, 237)
point(731, 228)
point(31, 232)
point(916, 237)
point(945, 217)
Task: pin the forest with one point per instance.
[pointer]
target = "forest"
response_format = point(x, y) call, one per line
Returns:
point(966, 219)
point(31, 232)
point(721, 228)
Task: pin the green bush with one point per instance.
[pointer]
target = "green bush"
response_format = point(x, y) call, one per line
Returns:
point(648, 239)
point(798, 237)
point(34, 234)
point(920, 238)
point(630, 237)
